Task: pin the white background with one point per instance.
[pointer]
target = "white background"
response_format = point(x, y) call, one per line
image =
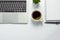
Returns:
point(32, 30)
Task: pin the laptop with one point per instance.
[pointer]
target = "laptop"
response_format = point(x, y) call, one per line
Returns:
point(13, 11)
point(52, 11)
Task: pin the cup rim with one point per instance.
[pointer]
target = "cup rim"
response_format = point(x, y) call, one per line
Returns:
point(39, 18)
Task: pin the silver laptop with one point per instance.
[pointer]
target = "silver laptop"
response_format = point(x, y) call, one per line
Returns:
point(13, 11)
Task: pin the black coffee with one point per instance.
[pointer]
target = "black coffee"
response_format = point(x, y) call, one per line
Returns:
point(36, 15)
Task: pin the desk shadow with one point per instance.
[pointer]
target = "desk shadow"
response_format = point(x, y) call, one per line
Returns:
point(36, 24)
point(52, 22)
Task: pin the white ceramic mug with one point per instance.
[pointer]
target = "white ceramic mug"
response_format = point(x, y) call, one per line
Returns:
point(36, 16)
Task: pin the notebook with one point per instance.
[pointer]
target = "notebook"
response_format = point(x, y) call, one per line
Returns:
point(52, 11)
point(13, 11)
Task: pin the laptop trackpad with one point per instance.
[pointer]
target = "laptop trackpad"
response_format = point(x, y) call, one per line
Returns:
point(10, 17)
point(14, 18)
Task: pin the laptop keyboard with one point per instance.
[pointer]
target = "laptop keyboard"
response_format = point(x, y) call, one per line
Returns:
point(12, 6)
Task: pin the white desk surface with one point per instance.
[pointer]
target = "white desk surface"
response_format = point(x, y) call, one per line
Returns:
point(30, 31)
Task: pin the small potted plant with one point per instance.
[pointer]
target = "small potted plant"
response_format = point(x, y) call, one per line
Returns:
point(36, 1)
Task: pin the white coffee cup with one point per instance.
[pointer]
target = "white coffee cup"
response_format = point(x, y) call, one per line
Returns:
point(36, 16)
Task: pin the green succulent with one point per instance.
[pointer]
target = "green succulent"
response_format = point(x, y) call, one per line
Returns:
point(36, 1)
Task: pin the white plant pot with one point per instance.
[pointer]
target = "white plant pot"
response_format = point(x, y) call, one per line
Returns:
point(35, 5)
